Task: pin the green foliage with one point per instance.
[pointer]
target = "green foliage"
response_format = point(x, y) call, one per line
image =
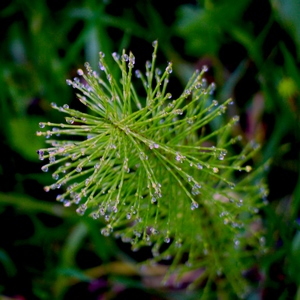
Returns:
point(287, 13)
point(155, 170)
point(252, 50)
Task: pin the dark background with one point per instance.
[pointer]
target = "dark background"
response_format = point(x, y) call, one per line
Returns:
point(252, 49)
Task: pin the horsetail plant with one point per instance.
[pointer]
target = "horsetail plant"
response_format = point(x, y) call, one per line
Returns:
point(146, 165)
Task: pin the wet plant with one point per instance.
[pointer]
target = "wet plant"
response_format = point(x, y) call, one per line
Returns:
point(155, 170)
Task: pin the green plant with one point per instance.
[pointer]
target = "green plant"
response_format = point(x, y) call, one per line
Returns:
point(158, 172)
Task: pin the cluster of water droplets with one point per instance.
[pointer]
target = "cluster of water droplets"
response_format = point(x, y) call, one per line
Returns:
point(198, 175)
point(169, 68)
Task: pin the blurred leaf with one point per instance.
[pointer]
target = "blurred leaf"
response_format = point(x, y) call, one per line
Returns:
point(74, 274)
point(72, 245)
point(22, 137)
point(92, 46)
point(290, 64)
point(159, 30)
point(245, 38)
point(7, 263)
point(104, 247)
point(203, 29)
point(200, 34)
point(298, 294)
point(28, 204)
point(288, 14)
point(294, 265)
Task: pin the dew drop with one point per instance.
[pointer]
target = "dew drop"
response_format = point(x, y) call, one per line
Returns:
point(199, 166)
point(153, 200)
point(46, 188)
point(194, 205)
point(59, 198)
point(255, 210)
point(239, 203)
point(154, 231)
point(235, 119)
point(178, 111)
point(222, 214)
point(137, 234)
point(55, 176)
point(49, 133)
point(125, 57)
point(65, 106)
point(187, 92)
point(179, 157)
point(231, 185)
point(67, 203)
point(215, 170)
point(51, 159)
point(204, 68)
point(105, 232)
point(178, 244)
point(212, 88)
point(248, 169)
point(190, 121)
point(102, 211)
point(137, 73)
point(148, 64)
point(41, 154)
point(95, 215)
point(195, 189)
point(116, 56)
point(169, 68)
point(236, 242)
point(44, 168)
point(70, 120)
point(101, 67)
point(131, 61)
point(262, 241)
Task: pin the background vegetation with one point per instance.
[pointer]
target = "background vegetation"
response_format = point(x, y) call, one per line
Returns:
point(252, 49)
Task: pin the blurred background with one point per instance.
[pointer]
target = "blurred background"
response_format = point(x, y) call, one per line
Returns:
point(252, 49)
